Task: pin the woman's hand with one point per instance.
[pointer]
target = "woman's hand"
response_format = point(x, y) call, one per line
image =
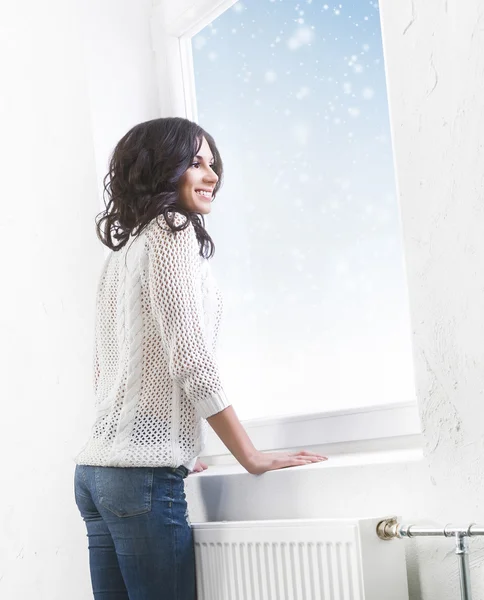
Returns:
point(261, 462)
point(199, 466)
point(230, 430)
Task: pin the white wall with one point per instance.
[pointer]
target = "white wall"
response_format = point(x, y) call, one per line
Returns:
point(50, 263)
point(51, 257)
point(120, 70)
point(435, 63)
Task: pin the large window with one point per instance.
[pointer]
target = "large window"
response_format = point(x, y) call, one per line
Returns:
point(309, 251)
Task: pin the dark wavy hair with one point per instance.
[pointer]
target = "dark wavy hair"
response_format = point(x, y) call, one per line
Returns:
point(142, 182)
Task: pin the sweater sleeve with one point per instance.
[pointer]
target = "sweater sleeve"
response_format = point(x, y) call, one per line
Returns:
point(175, 283)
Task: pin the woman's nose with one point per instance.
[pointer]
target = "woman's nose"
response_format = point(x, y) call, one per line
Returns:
point(211, 176)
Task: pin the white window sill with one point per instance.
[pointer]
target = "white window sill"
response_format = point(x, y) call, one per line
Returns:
point(362, 483)
point(336, 461)
point(366, 429)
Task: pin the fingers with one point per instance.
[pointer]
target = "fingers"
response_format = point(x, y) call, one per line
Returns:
point(298, 461)
point(200, 467)
point(307, 454)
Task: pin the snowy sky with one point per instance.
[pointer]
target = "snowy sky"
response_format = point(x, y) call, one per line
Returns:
point(306, 227)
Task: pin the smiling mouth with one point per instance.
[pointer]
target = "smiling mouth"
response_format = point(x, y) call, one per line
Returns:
point(204, 194)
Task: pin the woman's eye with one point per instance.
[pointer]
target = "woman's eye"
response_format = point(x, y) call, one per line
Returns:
point(197, 164)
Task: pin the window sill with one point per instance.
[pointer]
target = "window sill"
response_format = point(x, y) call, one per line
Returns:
point(367, 429)
point(364, 484)
point(337, 461)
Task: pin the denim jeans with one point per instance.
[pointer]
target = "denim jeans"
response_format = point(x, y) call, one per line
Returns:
point(140, 539)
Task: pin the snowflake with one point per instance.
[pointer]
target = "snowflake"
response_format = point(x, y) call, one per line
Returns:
point(368, 93)
point(239, 7)
point(341, 267)
point(302, 93)
point(199, 42)
point(301, 133)
point(270, 77)
point(303, 35)
point(334, 203)
point(297, 253)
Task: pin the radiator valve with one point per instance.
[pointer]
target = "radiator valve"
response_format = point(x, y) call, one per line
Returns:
point(387, 529)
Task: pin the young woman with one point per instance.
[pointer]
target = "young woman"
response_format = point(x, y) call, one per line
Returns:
point(156, 380)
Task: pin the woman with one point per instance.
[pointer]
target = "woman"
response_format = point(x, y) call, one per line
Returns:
point(156, 380)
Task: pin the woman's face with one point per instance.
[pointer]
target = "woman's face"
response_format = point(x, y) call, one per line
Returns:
point(196, 184)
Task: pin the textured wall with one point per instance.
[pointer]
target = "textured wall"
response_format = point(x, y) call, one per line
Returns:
point(435, 66)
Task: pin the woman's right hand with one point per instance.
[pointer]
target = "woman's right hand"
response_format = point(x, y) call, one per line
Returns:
point(230, 430)
point(260, 462)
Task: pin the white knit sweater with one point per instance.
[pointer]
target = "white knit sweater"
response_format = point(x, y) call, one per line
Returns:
point(158, 311)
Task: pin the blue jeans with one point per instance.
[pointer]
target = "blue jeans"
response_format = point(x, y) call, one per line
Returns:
point(140, 540)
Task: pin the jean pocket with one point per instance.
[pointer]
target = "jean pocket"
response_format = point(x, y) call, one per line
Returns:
point(124, 491)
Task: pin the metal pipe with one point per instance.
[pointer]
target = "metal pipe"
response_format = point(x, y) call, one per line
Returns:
point(389, 529)
point(462, 551)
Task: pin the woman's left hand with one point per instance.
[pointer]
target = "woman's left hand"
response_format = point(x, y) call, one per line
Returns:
point(199, 466)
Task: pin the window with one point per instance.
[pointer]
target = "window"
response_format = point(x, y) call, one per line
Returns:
point(309, 249)
point(306, 226)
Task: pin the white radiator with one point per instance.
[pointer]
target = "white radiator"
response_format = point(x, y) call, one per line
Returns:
point(304, 559)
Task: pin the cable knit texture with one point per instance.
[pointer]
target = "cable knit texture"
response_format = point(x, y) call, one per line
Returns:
point(158, 313)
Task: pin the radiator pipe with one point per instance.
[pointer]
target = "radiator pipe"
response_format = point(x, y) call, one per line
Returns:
point(389, 529)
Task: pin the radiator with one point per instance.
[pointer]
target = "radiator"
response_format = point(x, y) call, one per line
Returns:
point(304, 559)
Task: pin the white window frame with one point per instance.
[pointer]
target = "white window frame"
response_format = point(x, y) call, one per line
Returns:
point(372, 428)
point(172, 27)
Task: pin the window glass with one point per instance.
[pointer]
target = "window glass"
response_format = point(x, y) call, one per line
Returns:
point(308, 243)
